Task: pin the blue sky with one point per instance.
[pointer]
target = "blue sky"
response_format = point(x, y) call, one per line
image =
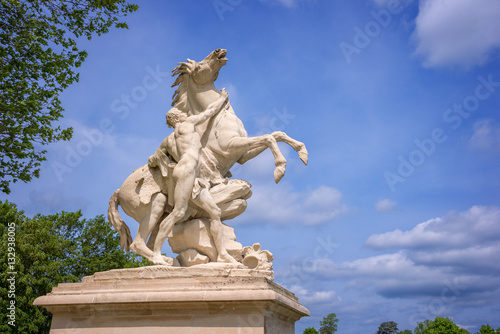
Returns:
point(397, 215)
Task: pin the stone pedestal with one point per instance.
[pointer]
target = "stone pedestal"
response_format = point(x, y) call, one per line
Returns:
point(160, 299)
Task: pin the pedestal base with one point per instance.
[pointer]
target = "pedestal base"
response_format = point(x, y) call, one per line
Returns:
point(161, 299)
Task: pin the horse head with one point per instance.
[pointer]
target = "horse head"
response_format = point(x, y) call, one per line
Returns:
point(207, 70)
point(196, 82)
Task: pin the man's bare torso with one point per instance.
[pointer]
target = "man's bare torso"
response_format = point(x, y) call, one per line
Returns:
point(187, 141)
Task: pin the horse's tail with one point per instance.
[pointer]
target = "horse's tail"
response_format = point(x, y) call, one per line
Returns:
point(118, 223)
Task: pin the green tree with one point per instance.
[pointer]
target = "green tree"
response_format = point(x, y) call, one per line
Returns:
point(329, 324)
point(310, 330)
point(48, 250)
point(406, 331)
point(443, 326)
point(421, 326)
point(388, 327)
point(38, 60)
point(486, 329)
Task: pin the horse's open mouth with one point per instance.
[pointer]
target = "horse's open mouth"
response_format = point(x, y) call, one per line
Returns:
point(222, 55)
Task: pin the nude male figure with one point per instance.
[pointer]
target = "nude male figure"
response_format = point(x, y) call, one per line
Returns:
point(185, 175)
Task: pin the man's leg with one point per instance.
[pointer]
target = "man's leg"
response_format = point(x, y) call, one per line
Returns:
point(182, 195)
point(206, 202)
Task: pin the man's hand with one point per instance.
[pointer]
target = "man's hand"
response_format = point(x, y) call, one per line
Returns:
point(224, 98)
point(224, 93)
point(153, 160)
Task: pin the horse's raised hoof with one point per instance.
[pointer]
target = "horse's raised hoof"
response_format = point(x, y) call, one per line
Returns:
point(279, 172)
point(303, 155)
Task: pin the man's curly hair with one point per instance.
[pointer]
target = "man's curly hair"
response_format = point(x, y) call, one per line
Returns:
point(173, 116)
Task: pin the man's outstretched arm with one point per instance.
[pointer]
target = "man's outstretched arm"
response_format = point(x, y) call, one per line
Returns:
point(213, 108)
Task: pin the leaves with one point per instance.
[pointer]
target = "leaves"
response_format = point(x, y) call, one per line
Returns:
point(329, 324)
point(38, 59)
point(388, 327)
point(50, 250)
point(443, 326)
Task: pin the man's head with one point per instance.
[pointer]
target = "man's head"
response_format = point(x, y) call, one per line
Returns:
point(175, 116)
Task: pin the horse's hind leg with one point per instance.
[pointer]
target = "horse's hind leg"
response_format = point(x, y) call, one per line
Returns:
point(295, 144)
point(147, 224)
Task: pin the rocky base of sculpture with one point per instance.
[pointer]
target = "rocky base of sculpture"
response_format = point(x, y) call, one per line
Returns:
point(195, 245)
point(160, 299)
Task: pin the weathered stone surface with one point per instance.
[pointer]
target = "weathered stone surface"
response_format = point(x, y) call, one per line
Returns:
point(233, 209)
point(233, 189)
point(191, 257)
point(195, 234)
point(163, 299)
point(255, 258)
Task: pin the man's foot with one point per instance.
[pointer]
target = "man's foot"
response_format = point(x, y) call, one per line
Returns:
point(160, 259)
point(226, 258)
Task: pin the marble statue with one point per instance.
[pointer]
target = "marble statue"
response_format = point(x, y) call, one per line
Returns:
point(185, 191)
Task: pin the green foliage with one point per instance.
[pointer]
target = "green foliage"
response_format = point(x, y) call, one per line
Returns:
point(443, 326)
point(38, 59)
point(329, 324)
point(50, 250)
point(310, 330)
point(388, 327)
point(486, 329)
point(406, 331)
point(421, 326)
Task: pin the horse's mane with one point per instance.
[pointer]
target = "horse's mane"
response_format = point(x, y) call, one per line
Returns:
point(180, 99)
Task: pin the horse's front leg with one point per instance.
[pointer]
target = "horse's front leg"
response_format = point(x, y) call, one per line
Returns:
point(251, 147)
point(249, 155)
point(295, 144)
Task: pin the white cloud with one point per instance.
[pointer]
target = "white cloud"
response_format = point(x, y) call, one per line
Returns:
point(385, 205)
point(485, 136)
point(457, 32)
point(477, 225)
point(459, 249)
point(317, 297)
point(474, 258)
point(280, 204)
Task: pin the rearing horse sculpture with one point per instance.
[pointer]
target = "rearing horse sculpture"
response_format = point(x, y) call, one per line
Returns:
point(225, 142)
